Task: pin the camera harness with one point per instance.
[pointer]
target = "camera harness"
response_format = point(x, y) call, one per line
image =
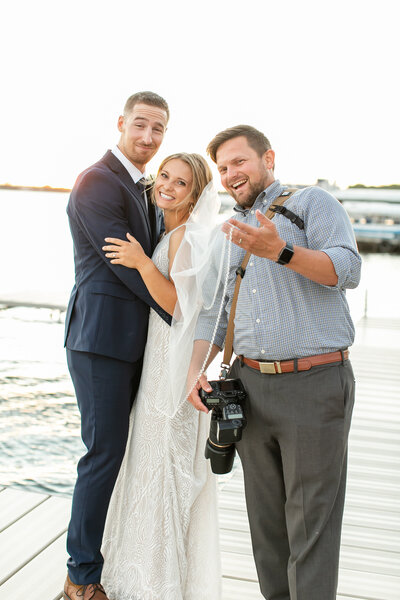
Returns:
point(276, 207)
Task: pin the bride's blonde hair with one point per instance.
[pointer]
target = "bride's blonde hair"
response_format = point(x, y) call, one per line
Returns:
point(201, 172)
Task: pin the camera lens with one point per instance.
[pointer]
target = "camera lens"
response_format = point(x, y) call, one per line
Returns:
point(221, 458)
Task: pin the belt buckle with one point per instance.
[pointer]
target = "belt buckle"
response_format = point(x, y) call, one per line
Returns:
point(270, 368)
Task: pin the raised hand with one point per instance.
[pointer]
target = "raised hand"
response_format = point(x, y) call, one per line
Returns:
point(261, 241)
point(265, 241)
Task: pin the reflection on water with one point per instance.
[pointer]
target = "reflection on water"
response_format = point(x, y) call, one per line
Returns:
point(40, 426)
point(40, 440)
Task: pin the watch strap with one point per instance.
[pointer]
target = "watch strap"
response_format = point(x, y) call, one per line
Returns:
point(285, 255)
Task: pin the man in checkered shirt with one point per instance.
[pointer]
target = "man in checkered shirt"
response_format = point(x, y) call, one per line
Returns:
point(291, 334)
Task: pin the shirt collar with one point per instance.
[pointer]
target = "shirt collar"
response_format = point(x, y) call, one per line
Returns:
point(266, 197)
point(132, 170)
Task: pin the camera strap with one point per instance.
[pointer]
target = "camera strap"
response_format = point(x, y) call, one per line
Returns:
point(240, 272)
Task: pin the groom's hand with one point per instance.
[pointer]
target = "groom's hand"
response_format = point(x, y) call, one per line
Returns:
point(194, 397)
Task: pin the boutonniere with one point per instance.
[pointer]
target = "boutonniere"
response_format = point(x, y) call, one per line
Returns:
point(149, 181)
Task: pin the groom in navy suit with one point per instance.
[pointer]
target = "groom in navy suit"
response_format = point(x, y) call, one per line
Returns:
point(106, 324)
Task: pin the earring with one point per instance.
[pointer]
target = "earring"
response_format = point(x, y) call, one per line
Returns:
point(191, 207)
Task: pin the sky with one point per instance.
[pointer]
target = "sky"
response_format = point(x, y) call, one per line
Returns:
point(320, 78)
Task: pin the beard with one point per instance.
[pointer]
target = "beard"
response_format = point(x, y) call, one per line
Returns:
point(247, 200)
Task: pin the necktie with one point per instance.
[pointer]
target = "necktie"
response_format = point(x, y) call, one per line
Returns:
point(141, 184)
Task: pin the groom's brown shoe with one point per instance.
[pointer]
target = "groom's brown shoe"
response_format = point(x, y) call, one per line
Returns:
point(90, 591)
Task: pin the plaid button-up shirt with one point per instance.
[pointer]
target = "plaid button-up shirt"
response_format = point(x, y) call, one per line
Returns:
point(281, 314)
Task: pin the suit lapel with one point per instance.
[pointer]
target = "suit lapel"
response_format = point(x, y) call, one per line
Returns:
point(117, 167)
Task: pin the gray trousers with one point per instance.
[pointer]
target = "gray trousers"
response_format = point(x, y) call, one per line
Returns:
point(294, 455)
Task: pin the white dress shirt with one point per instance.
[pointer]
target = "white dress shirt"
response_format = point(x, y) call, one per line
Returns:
point(132, 170)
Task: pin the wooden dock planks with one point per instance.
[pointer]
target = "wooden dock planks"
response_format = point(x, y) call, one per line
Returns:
point(32, 545)
point(41, 578)
point(28, 536)
point(14, 505)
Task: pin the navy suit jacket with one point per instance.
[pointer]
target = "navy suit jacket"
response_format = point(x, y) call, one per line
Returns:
point(109, 305)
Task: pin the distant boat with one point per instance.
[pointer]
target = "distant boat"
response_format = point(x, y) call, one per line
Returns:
point(384, 238)
point(376, 224)
point(374, 214)
point(367, 195)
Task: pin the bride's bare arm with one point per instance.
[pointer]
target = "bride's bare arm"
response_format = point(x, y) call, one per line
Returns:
point(131, 254)
point(200, 350)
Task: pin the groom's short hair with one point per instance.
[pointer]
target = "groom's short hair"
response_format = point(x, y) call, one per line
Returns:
point(255, 139)
point(145, 98)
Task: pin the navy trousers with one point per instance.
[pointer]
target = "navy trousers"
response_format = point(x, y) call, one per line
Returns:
point(105, 389)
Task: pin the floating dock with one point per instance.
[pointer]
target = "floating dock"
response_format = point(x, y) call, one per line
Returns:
point(34, 299)
point(33, 526)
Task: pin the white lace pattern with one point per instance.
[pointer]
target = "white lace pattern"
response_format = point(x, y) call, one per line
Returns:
point(161, 536)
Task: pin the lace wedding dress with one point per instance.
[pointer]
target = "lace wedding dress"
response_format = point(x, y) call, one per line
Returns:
point(161, 535)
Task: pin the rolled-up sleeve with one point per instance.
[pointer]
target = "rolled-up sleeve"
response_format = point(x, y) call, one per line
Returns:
point(347, 265)
point(213, 319)
point(329, 230)
point(208, 329)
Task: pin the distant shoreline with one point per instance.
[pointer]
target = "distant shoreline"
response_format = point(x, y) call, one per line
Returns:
point(34, 188)
point(359, 187)
point(49, 188)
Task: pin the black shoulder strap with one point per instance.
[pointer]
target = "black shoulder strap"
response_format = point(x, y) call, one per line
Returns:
point(240, 272)
point(282, 210)
point(285, 212)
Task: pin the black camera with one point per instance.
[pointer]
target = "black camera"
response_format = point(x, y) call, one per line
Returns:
point(227, 422)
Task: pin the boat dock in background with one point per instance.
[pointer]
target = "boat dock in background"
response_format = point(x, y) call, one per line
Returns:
point(377, 237)
point(33, 526)
point(374, 214)
point(376, 223)
point(365, 194)
point(34, 299)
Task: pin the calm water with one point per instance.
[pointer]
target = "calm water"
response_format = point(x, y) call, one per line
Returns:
point(39, 426)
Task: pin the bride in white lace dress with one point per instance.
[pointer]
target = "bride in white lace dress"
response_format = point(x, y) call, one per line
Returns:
point(161, 536)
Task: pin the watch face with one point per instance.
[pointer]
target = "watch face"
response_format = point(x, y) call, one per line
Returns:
point(285, 255)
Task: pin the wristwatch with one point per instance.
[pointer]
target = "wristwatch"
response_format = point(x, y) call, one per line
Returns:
point(285, 255)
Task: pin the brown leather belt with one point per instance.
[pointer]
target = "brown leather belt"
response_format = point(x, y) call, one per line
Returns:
point(303, 364)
